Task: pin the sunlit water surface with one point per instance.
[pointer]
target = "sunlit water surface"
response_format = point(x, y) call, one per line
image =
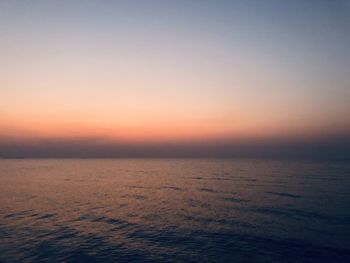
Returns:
point(174, 210)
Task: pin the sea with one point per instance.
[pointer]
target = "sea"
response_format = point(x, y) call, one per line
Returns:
point(174, 210)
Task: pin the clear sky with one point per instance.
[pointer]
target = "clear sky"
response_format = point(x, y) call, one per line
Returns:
point(173, 71)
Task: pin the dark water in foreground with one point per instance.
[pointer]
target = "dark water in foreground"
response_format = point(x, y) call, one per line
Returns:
point(173, 210)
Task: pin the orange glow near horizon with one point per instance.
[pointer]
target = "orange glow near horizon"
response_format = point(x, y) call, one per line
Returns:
point(153, 130)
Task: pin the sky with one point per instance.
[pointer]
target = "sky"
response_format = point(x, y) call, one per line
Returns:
point(174, 78)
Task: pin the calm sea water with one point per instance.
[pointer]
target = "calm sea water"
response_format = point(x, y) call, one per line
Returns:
point(174, 210)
